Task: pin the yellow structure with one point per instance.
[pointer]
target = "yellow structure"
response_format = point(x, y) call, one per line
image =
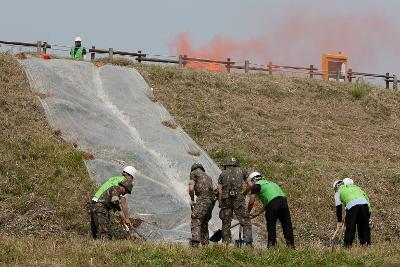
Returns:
point(334, 67)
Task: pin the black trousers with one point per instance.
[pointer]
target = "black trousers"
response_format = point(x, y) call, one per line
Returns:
point(274, 210)
point(357, 217)
point(93, 227)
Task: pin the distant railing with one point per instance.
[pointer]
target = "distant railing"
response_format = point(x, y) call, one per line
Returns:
point(228, 64)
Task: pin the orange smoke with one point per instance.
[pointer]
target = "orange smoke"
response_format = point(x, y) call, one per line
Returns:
point(218, 49)
point(301, 40)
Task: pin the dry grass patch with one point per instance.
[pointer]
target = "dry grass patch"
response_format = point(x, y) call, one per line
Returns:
point(88, 156)
point(152, 97)
point(170, 124)
point(41, 95)
point(194, 153)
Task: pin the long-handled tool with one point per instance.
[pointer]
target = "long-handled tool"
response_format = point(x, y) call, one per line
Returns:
point(134, 224)
point(239, 243)
point(340, 231)
point(217, 236)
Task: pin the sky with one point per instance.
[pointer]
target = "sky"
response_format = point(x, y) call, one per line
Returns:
point(285, 32)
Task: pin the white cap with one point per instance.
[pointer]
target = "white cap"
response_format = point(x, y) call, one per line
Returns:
point(335, 183)
point(254, 175)
point(130, 170)
point(78, 39)
point(347, 181)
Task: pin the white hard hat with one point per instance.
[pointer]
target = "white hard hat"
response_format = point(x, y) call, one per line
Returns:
point(130, 170)
point(78, 39)
point(255, 175)
point(347, 181)
point(335, 183)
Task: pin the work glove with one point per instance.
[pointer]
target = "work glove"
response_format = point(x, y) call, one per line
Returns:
point(192, 203)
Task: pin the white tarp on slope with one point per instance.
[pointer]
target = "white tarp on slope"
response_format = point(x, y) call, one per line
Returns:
point(107, 112)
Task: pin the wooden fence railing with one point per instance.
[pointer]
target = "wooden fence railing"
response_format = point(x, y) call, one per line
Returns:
point(183, 60)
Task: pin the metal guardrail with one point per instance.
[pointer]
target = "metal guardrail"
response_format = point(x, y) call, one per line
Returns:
point(184, 60)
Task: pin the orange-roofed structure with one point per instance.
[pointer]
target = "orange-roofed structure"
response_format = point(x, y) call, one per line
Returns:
point(334, 67)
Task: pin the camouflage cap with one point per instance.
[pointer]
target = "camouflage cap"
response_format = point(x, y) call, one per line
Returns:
point(229, 161)
point(128, 185)
point(196, 166)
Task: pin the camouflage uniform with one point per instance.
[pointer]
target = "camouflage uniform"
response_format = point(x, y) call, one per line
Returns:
point(233, 201)
point(202, 210)
point(109, 200)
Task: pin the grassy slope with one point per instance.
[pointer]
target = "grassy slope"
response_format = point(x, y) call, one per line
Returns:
point(302, 133)
point(260, 119)
point(43, 180)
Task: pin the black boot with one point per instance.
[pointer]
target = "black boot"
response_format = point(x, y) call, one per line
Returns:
point(194, 244)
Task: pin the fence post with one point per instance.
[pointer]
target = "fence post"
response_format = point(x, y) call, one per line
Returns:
point(39, 47)
point(394, 82)
point(311, 71)
point(110, 54)
point(228, 65)
point(44, 48)
point(270, 68)
point(387, 80)
point(350, 75)
point(93, 54)
point(246, 66)
point(184, 62)
point(180, 61)
point(139, 58)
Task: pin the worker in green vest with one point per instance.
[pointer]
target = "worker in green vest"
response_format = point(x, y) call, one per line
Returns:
point(358, 211)
point(275, 206)
point(127, 174)
point(78, 52)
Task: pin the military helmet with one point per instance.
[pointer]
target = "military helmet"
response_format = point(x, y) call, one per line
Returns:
point(128, 185)
point(229, 161)
point(196, 166)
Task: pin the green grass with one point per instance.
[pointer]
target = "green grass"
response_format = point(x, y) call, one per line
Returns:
point(83, 252)
point(359, 90)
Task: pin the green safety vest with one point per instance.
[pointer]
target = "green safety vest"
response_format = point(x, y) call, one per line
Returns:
point(351, 192)
point(269, 191)
point(78, 54)
point(113, 181)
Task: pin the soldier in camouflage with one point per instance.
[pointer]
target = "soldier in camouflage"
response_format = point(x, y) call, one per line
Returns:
point(201, 185)
point(232, 200)
point(109, 200)
point(128, 173)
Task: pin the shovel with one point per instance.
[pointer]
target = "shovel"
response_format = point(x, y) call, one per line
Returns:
point(217, 236)
point(333, 241)
point(135, 223)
